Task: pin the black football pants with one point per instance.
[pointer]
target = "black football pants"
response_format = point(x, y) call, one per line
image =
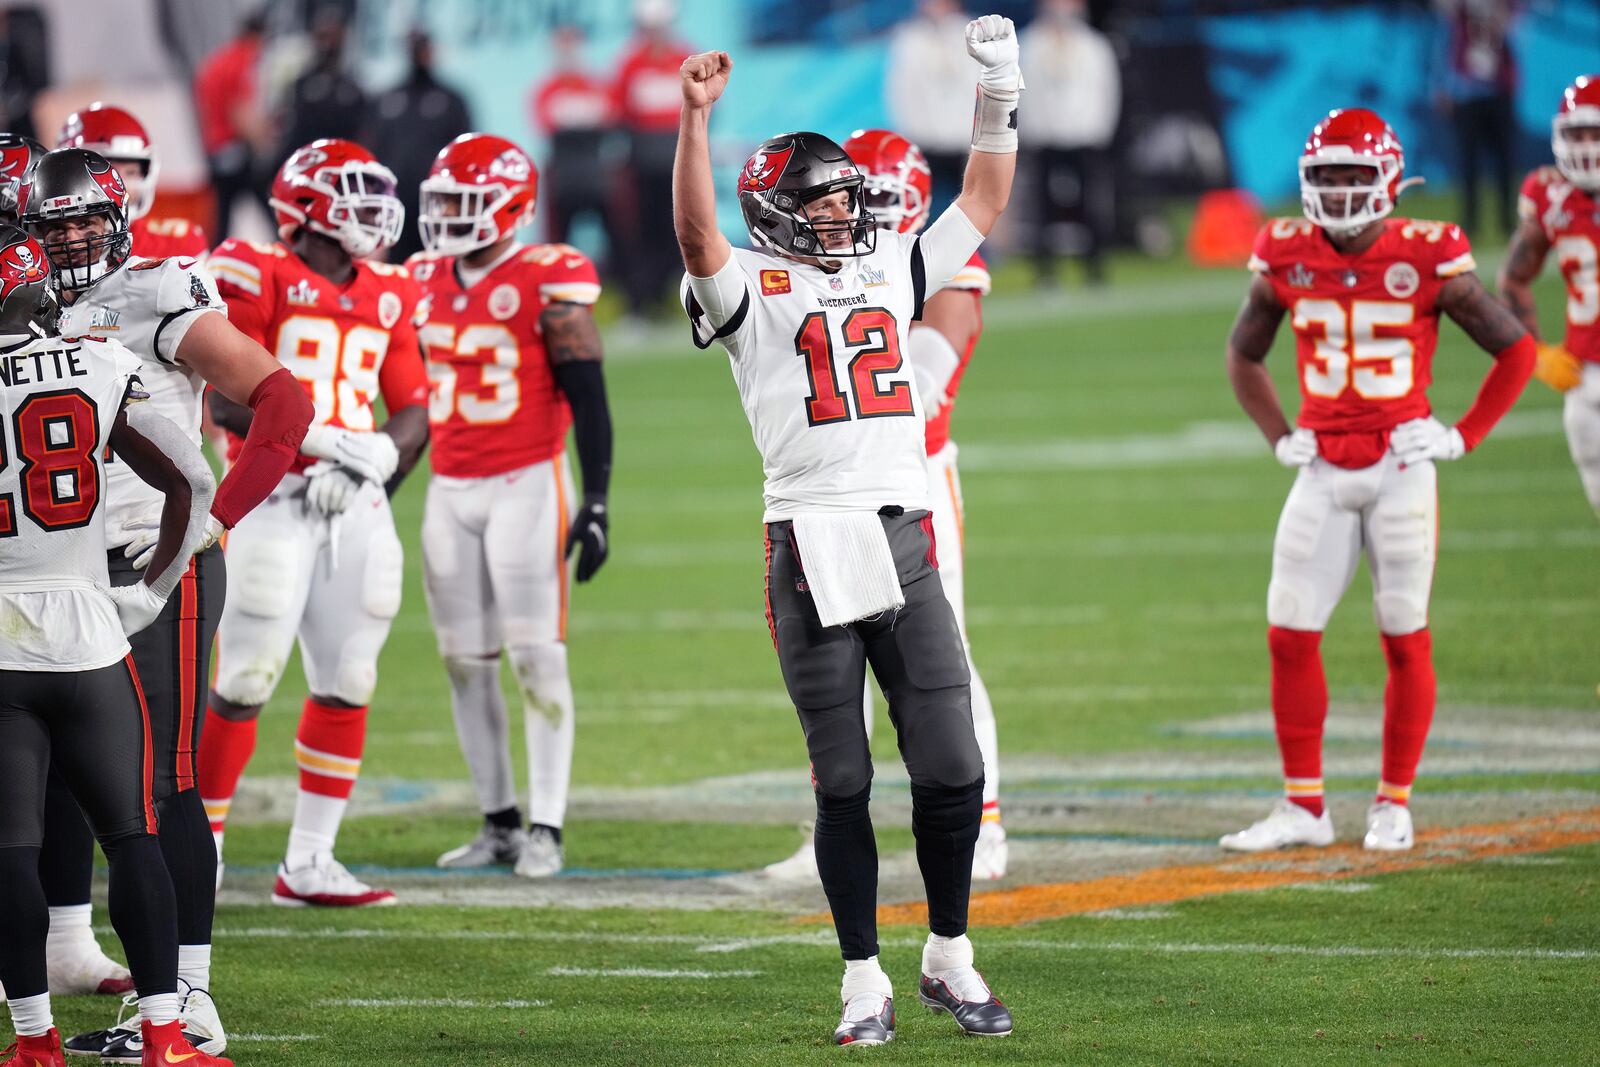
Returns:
point(918, 659)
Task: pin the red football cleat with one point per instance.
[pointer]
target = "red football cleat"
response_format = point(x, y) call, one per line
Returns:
point(41, 1051)
point(325, 883)
point(165, 1046)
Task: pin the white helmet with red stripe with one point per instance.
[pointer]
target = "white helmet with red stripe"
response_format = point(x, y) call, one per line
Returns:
point(115, 134)
point(1351, 137)
point(1575, 133)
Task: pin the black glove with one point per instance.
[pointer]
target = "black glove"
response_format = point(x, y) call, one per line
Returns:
point(589, 530)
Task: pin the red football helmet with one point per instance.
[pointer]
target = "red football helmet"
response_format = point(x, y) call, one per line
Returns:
point(899, 184)
point(1575, 133)
point(113, 133)
point(480, 189)
point(1352, 137)
point(340, 190)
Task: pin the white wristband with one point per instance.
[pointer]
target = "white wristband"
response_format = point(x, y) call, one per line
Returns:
point(994, 122)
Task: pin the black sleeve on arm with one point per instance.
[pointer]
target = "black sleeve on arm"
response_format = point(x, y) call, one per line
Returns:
point(585, 387)
point(919, 280)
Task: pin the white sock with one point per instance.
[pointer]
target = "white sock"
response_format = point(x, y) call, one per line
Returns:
point(943, 954)
point(864, 976)
point(541, 672)
point(315, 828)
point(194, 966)
point(70, 928)
point(484, 729)
point(30, 1016)
point(159, 1009)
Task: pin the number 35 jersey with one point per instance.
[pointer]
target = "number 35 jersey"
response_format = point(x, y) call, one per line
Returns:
point(494, 404)
point(818, 359)
point(1365, 325)
point(346, 345)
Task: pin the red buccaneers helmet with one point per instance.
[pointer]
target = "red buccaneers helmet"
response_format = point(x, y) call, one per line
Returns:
point(899, 184)
point(1359, 138)
point(480, 189)
point(73, 184)
point(1575, 133)
point(19, 156)
point(788, 172)
point(340, 190)
point(117, 135)
point(28, 305)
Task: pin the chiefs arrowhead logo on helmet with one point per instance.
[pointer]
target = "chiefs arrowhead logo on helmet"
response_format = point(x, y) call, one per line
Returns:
point(511, 165)
point(764, 169)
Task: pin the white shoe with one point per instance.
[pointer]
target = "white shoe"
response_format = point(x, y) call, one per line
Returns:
point(541, 854)
point(201, 1023)
point(1389, 828)
point(1287, 825)
point(800, 867)
point(990, 855)
point(325, 883)
point(81, 969)
point(493, 845)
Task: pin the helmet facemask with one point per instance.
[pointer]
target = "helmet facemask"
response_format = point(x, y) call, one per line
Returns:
point(364, 215)
point(81, 262)
point(893, 200)
point(457, 219)
point(1575, 141)
point(1346, 210)
point(779, 221)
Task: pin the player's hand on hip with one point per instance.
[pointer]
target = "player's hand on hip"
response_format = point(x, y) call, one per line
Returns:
point(589, 533)
point(330, 490)
point(1556, 367)
point(1426, 439)
point(137, 606)
point(705, 76)
point(992, 41)
point(1297, 448)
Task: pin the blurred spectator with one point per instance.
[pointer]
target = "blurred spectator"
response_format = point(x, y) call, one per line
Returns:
point(324, 101)
point(414, 120)
point(646, 97)
point(1479, 79)
point(24, 66)
point(234, 131)
point(573, 109)
point(929, 82)
point(1075, 96)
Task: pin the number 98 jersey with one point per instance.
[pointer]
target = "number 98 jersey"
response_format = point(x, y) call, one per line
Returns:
point(494, 405)
point(1365, 325)
point(346, 345)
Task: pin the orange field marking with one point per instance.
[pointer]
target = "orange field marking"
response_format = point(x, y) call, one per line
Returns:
point(1165, 885)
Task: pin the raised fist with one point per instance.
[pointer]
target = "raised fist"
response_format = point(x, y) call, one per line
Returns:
point(704, 76)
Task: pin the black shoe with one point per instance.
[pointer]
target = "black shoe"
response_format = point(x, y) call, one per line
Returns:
point(981, 1018)
point(95, 1042)
point(869, 1023)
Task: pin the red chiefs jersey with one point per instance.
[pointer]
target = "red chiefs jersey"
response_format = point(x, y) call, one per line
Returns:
point(163, 238)
point(1570, 219)
point(494, 404)
point(974, 279)
point(1365, 325)
point(347, 345)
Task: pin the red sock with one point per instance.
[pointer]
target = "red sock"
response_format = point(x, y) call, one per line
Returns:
point(1299, 708)
point(328, 748)
point(1408, 701)
point(225, 749)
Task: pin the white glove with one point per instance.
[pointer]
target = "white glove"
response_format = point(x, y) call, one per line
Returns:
point(1424, 439)
point(143, 548)
point(992, 41)
point(371, 455)
point(1296, 449)
point(137, 606)
point(330, 490)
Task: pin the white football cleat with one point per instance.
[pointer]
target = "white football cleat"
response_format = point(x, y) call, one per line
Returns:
point(800, 867)
point(326, 883)
point(493, 845)
point(1389, 828)
point(541, 854)
point(990, 856)
point(82, 969)
point(1287, 825)
point(202, 1026)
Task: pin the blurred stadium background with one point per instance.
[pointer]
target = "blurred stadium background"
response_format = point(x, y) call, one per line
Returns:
point(1120, 513)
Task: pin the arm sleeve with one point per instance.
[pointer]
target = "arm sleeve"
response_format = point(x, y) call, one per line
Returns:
point(1501, 386)
point(185, 291)
point(584, 385)
point(719, 306)
point(181, 453)
point(282, 411)
point(945, 247)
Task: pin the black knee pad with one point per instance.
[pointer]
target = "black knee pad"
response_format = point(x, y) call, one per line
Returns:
point(947, 810)
point(837, 810)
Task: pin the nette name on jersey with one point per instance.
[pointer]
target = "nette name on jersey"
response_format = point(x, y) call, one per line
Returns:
point(148, 307)
point(494, 405)
point(346, 345)
point(59, 398)
point(1570, 219)
point(818, 361)
point(1365, 325)
point(974, 280)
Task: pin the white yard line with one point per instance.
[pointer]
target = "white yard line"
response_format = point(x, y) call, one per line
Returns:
point(643, 972)
point(433, 1002)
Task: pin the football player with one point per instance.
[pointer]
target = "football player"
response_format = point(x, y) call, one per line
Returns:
point(1560, 212)
point(816, 322)
point(71, 693)
point(18, 158)
point(169, 314)
point(1364, 292)
point(514, 359)
point(320, 560)
point(118, 136)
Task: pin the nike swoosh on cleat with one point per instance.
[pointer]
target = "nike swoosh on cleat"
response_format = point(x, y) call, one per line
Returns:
point(170, 1058)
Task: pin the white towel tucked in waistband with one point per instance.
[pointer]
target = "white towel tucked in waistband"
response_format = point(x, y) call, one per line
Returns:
point(848, 565)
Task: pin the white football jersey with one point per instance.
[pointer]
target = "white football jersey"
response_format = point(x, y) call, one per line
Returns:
point(149, 306)
point(819, 361)
point(59, 399)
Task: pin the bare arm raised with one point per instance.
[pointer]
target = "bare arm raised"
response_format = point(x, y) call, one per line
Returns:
point(694, 196)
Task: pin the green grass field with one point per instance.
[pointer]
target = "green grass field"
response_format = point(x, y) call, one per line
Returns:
point(1120, 512)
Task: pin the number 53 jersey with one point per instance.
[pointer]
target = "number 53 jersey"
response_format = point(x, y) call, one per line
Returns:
point(1365, 325)
point(818, 359)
